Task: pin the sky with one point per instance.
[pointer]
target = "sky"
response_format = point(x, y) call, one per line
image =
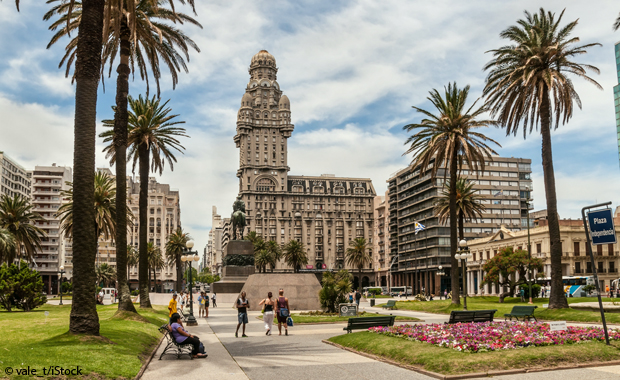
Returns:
point(352, 71)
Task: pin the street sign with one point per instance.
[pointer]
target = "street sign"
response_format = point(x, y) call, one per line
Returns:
point(601, 223)
point(348, 310)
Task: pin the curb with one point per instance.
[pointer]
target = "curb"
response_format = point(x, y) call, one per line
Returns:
point(471, 375)
point(338, 323)
point(141, 372)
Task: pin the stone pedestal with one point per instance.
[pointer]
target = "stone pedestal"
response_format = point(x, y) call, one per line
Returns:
point(301, 289)
point(233, 277)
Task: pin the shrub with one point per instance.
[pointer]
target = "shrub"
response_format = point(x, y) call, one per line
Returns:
point(238, 260)
point(334, 290)
point(20, 288)
point(135, 292)
point(535, 290)
point(375, 291)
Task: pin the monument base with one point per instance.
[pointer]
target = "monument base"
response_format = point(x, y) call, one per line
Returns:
point(227, 286)
point(301, 289)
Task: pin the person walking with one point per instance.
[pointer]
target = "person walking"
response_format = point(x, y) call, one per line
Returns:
point(282, 311)
point(242, 314)
point(172, 305)
point(522, 292)
point(268, 312)
point(182, 300)
point(213, 299)
point(351, 297)
point(201, 304)
point(358, 297)
point(206, 299)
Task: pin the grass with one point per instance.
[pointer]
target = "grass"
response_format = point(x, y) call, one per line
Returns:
point(32, 339)
point(486, 303)
point(313, 318)
point(449, 362)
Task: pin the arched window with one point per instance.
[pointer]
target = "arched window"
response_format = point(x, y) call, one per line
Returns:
point(359, 190)
point(338, 190)
point(265, 184)
point(298, 189)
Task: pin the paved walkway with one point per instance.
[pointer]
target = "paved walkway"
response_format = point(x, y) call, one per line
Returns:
point(302, 355)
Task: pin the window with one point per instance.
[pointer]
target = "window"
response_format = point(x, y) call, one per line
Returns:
point(538, 248)
point(576, 248)
point(265, 184)
point(610, 249)
point(359, 190)
point(599, 250)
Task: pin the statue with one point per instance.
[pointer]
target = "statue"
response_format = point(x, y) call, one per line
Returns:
point(238, 219)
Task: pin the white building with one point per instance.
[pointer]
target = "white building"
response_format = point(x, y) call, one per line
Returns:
point(14, 179)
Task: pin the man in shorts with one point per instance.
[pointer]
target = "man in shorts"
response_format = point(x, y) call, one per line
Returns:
point(201, 304)
point(172, 305)
point(242, 316)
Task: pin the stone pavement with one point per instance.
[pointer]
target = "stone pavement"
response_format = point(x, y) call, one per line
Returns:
point(302, 355)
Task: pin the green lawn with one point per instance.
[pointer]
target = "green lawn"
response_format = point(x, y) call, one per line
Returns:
point(449, 362)
point(486, 303)
point(307, 318)
point(32, 339)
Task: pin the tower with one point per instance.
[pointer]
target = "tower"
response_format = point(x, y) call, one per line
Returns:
point(263, 128)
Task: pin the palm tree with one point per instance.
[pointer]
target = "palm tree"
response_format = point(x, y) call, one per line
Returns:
point(295, 255)
point(275, 251)
point(527, 86)
point(105, 274)
point(450, 139)
point(156, 262)
point(262, 258)
point(132, 259)
point(152, 132)
point(7, 245)
point(468, 204)
point(357, 256)
point(17, 217)
point(175, 246)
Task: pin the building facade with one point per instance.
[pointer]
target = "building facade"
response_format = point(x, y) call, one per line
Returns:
point(14, 179)
point(323, 212)
point(381, 240)
point(617, 95)
point(503, 188)
point(48, 182)
point(218, 238)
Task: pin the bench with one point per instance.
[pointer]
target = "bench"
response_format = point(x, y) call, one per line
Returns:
point(172, 347)
point(458, 316)
point(525, 312)
point(183, 315)
point(363, 323)
point(389, 305)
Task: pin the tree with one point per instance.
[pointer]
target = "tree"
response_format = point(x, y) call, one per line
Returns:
point(262, 258)
point(528, 86)
point(175, 246)
point(132, 258)
point(468, 204)
point(106, 274)
point(156, 262)
point(152, 137)
point(17, 217)
point(334, 289)
point(358, 257)
point(450, 138)
point(503, 268)
point(194, 272)
point(7, 245)
point(295, 255)
point(275, 252)
point(20, 287)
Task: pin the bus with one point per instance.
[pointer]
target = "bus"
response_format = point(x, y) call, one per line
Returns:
point(573, 285)
point(397, 290)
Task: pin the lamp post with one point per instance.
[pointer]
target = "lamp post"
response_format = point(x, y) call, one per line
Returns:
point(62, 272)
point(462, 255)
point(440, 272)
point(191, 256)
point(529, 245)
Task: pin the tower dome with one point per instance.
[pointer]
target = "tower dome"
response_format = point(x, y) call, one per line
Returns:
point(246, 100)
point(284, 103)
point(263, 58)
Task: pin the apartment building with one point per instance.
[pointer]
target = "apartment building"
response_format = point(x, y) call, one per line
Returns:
point(219, 235)
point(47, 184)
point(503, 188)
point(14, 179)
point(380, 241)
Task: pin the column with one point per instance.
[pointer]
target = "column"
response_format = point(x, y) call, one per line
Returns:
point(479, 280)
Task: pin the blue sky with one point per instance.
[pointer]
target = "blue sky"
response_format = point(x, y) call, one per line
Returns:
point(352, 71)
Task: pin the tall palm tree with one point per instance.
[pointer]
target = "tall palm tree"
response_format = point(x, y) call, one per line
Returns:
point(156, 262)
point(262, 258)
point(468, 204)
point(17, 217)
point(152, 137)
point(7, 245)
point(450, 139)
point(275, 251)
point(529, 85)
point(153, 41)
point(105, 274)
point(357, 256)
point(295, 255)
point(175, 246)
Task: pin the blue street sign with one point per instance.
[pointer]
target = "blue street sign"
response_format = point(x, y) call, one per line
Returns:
point(601, 223)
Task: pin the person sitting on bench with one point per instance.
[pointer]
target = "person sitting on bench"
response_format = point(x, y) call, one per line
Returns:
point(180, 335)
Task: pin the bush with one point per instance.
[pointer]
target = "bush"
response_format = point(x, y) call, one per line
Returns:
point(335, 289)
point(375, 291)
point(135, 292)
point(238, 260)
point(535, 290)
point(20, 288)
point(589, 288)
point(66, 287)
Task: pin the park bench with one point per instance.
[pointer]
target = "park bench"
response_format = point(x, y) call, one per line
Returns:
point(363, 323)
point(183, 315)
point(525, 312)
point(462, 316)
point(172, 347)
point(389, 305)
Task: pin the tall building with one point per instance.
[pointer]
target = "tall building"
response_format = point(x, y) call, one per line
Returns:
point(381, 240)
point(323, 212)
point(216, 242)
point(617, 95)
point(14, 179)
point(47, 184)
point(503, 187)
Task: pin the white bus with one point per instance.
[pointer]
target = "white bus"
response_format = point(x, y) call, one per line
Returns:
point(404, 290)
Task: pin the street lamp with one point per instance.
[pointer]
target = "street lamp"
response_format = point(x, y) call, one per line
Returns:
point(529, 246)
point(462, 255)
point(191, 256)
point(62, 272)
point(440, 272)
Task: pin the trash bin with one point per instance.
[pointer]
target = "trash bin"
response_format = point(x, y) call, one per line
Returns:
point(372, 302)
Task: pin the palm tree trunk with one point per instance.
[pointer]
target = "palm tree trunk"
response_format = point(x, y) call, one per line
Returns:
point(84, 318)
point(143, 267)
point(557, 299)
point(454, 264)
point(461, 226)
point(155, 280)
point(179, 273)
point(120, 144)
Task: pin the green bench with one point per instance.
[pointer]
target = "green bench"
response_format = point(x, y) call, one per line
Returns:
point(525, 312)
point(363, 323)
point(466, 316)
point(389, 305)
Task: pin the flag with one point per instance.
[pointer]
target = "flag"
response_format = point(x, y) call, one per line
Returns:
point(501, 192)
point(419, 227)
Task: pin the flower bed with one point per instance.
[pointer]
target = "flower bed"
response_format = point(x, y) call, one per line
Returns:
point(491, 336)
